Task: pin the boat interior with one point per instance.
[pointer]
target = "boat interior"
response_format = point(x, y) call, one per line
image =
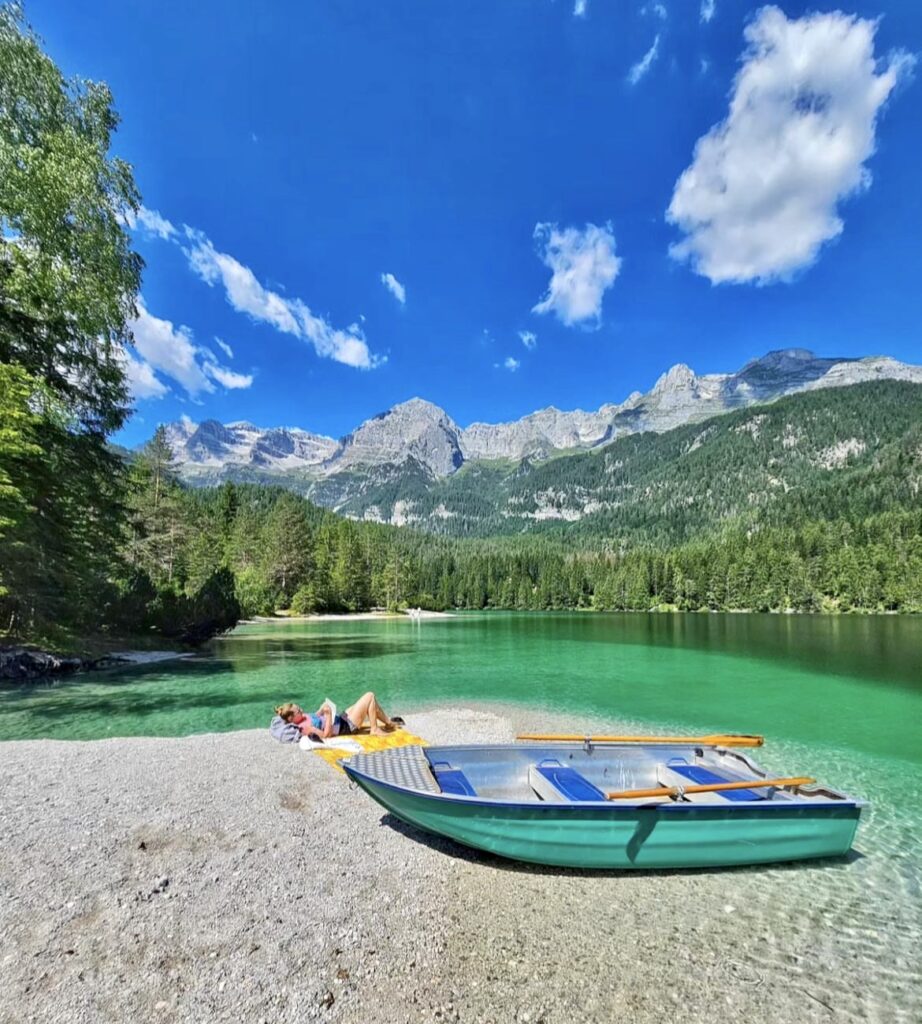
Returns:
point(585, 772)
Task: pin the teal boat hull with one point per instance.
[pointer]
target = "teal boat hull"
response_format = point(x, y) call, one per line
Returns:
point(618, 837)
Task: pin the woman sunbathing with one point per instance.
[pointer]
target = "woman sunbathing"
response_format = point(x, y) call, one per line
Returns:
point(291, 722)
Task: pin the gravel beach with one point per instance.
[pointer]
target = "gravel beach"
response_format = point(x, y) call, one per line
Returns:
point(229, 878)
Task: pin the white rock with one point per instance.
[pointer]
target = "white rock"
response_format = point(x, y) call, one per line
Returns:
point(420, 433)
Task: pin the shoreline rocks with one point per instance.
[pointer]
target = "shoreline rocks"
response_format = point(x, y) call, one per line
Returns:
point(24, 664)
point(27, 664)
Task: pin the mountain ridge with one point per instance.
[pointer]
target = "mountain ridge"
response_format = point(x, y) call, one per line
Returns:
point(417, 430)
point(810, 454)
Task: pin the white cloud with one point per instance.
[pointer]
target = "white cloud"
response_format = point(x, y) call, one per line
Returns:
point(529, 339)
point(247, 295)
point(150, 222)
point(708, 10)
point(169, 349)
point(394, 287)
point(228, 378)
point(511, 364)
point(290, 316)
point(142, 381)
point(242, 289)
point(579, 8)
point(583, 265)
point(225, 348)
point(657, 10)
point(642, 66)
point(172, 350)
point(761, 195)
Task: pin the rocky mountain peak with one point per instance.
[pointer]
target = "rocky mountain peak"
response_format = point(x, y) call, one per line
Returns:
point(676, 378)
point(417, 407)
point(788, 355)
point(217, 445)
point(783, 360)
point(417, 436)
point(537, 435)
point(413, 429)
point(778, 373)
point(211, 435)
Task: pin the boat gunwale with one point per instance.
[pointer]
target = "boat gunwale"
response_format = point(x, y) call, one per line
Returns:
point(608, 806)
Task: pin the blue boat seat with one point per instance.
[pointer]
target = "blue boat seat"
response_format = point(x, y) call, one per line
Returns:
point(556, 782)
point(452, 780)
point(700, 776)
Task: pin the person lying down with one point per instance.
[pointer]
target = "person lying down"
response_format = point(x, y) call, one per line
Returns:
point(291, 723)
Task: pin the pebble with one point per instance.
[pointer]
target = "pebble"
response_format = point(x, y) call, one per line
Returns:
point(391, 926)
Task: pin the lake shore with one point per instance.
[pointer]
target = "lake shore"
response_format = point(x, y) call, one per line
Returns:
point(227, 877)
point(28, 664)
point(348, 617)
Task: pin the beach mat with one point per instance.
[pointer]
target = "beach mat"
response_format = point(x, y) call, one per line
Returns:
point(368, 744)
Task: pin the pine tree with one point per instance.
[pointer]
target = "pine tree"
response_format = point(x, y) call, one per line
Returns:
point(287, 544)
point(158, 525)
point(68, 282)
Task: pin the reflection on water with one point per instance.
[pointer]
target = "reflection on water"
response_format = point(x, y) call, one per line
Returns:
point(234, 686)
point(876, 648)
point(321, 648)
point(846, 682)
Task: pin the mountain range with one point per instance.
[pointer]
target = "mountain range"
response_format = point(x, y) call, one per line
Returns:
point(422, 431)
point(381, 469)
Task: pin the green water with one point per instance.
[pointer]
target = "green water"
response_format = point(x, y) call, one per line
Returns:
point(837, 698)
point(850, 683)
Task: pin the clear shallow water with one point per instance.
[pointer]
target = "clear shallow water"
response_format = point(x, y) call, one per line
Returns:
point(853, 683)
point(838, 698)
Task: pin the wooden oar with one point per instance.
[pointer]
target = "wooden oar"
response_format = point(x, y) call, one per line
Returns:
point(714, 787)
point(718, 740)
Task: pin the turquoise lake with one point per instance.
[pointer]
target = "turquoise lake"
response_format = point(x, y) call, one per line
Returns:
point(838, 698)
point(849, 683)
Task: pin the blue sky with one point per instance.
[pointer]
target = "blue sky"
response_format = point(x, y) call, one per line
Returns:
point(517, 167)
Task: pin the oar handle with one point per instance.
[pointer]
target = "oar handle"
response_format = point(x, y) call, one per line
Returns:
point(713, 787)
point(716, 740)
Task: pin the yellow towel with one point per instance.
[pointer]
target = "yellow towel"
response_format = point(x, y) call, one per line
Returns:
point(369, 743)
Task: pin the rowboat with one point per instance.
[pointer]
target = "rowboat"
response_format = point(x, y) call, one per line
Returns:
point(657, 803)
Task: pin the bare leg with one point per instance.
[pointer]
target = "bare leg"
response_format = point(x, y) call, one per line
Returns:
point(367, 706)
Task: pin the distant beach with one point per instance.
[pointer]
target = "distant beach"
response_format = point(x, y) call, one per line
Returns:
point(351, 616)
point(228, 877)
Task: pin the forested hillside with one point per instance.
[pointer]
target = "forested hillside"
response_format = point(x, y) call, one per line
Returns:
point(852, 451)
point(811, 502)
point(284, 552)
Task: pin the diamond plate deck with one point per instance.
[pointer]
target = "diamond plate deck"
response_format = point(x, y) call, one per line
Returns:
point(407, 767)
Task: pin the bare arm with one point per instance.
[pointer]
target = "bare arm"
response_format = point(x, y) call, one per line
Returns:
point(327, 728)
